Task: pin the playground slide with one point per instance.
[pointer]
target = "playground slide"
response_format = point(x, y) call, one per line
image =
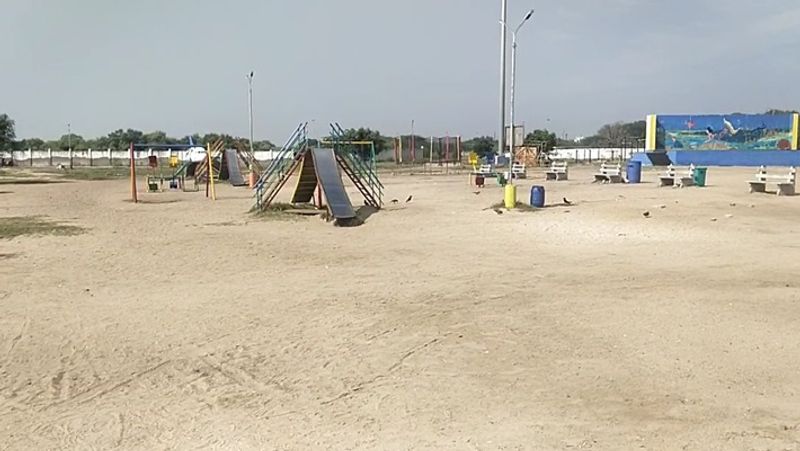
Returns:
point(235, 176)
point(306, 182)
point(331, 183)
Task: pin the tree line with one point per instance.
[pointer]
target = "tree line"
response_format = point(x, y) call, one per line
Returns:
point(617, 134)
point(117, 139)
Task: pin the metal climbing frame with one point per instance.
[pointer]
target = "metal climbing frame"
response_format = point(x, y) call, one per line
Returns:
point(363, 174)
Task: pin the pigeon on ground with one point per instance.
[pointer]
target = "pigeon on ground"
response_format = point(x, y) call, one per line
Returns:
point(566, 201)
point(646, 214)
point(394, 201)
point(409, 199)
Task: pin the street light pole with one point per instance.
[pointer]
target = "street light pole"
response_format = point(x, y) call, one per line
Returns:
point(250, 103)
point(513, 86)
point(501, 137)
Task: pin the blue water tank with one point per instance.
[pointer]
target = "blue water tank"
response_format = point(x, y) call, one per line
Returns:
point(537, 196)
point(634, 174)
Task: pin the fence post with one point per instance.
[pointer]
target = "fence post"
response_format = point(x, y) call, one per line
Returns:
point(30, 154)
point(70, 157)
point(90, 156)
point(110, 163)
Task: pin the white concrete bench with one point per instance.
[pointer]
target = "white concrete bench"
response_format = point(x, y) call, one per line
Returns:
point(519, 171)
point(678, 176)
point(609, 173)
point(558, 171)
point(784, 182)
point(485, 170)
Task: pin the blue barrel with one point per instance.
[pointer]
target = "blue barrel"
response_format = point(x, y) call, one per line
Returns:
point(634, 174)
point(537, 196)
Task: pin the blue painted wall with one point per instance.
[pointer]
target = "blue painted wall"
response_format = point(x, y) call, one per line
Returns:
point(725, 132)
point(735, 158)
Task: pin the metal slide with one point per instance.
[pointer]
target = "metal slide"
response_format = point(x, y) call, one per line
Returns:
point(235, 176)
point(331, 183)
point(306, 182)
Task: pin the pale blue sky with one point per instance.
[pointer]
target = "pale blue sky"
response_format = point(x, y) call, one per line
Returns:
point(180, 65)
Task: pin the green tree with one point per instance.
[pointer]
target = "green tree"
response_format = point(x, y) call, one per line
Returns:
point(778, 112)
point(261, 145)
point(228, 140)
point(7, 132)
point(543, 139)
point(636, 129)
point(481, 145)
point(121, 139)
point(76, 141)
point(30, 143)
point(157, 137)
point(367, 134)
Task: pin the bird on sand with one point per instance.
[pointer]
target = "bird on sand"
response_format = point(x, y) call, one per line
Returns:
point(646, 214)
point(409, 198)
point(566, 201)
point(394, 201)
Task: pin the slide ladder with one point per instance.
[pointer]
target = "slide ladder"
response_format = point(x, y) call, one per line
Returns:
point(363, 174)
point(281, 167)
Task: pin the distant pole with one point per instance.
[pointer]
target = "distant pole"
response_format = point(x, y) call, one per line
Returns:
point(69, 143)
point(413, 145)
point(250, 103)
point(400, 148)
point(501, 138)
point(134, 197)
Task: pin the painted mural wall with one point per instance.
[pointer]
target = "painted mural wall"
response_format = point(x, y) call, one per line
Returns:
point(725, 132)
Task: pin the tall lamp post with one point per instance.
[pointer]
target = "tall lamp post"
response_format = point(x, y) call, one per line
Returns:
point(501, 137)
point(250, 104)
point(513, 85)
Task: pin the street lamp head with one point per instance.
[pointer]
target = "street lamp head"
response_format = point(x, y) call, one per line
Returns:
point(528, 17)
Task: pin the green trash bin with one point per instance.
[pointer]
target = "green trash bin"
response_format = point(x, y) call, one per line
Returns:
point(700, 176)
point(501, 179)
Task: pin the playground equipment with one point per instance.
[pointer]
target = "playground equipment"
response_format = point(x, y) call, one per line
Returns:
point(442, 150)
point(153, 181)
point(227, 164)
point(529, 156)
point(320, 168)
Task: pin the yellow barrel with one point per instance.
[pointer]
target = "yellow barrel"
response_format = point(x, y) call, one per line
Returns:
point(511, 196)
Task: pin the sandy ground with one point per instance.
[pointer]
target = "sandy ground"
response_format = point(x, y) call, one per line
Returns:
point(182, 323)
